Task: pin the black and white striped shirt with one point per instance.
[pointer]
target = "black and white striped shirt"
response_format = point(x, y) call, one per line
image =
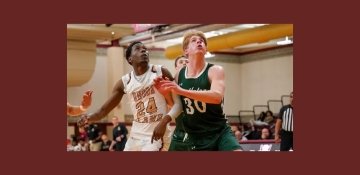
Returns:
point(287, 116)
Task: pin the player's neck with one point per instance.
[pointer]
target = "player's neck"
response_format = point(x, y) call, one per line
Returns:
point(195, 66)
point(141, 69)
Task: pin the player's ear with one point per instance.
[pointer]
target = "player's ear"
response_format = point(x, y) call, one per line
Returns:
point(130, 60)
point(186, 51)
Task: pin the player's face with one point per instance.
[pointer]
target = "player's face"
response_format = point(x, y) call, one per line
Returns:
point(196, 46)
point(181, 62)
point(139, 54)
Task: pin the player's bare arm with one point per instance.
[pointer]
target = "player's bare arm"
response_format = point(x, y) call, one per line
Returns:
point(110, 104)
point(85, 104)
point(176, 109)
point(214, 95)
point(167, 75)
point(73, 110)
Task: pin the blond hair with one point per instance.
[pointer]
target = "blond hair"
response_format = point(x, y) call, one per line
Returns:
point(189, 34)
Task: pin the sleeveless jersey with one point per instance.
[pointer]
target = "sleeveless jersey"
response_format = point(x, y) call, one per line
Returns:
point(147, 104)
point(200, 118)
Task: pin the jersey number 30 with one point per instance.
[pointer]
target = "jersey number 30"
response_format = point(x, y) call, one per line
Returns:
point(190, 109)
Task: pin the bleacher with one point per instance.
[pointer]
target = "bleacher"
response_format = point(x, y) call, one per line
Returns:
point(245, 116)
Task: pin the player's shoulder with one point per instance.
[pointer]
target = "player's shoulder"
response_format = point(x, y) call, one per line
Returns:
point(162, 68)
point(154, 68)
point(215, 67)
point(216, 70)
point(125, 79)
point(126, 76)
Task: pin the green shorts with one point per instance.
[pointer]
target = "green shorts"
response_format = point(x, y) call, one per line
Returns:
point(223, 141)
point(179, 141)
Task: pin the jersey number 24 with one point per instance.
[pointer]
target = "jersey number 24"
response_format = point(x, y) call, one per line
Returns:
point(151, 107)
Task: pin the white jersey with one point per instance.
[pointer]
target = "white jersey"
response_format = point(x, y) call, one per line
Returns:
point(147, 104)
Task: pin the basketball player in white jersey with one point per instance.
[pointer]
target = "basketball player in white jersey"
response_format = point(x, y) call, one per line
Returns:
point(148, 105)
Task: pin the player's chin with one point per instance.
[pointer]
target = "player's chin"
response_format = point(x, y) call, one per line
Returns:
point(145, 61)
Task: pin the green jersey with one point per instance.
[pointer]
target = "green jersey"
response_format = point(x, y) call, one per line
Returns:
point(200, 118)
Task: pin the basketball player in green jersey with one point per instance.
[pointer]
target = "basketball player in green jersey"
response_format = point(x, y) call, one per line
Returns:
point(201, 88)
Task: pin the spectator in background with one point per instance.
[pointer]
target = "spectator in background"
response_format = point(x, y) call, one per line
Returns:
point(269, 117)
point(255, 132)
point(270, 120)
point(82, 145)
point(94, 135)
point(72, 144)
point(119, 135)
point(238, 133)
point(246, 128)
point(265, 120)
point(234, 128)
point(260, 121)
point(77, 144)
point(266, 134)
point(239, 136)
point(106, 143)
point(83, 134)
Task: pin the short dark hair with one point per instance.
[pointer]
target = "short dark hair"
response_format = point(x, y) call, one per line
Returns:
point(177, 58)
point(271, 113)
point(128, 50)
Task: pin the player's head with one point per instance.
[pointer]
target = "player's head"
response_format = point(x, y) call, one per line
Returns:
point(137, 53)
point(180, 62)
point(291, 98)
point(194, 42)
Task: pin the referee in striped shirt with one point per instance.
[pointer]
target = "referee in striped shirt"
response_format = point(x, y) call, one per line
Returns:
point(285, 122)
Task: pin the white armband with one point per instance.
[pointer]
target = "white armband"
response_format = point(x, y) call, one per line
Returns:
point(176, 109)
